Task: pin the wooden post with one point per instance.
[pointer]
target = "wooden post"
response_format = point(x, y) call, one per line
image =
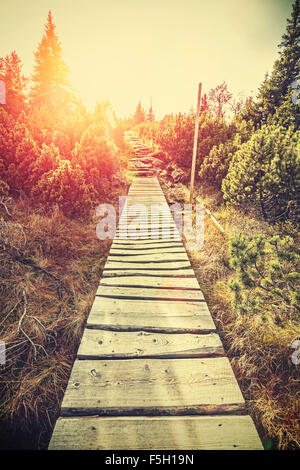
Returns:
point(195, 144)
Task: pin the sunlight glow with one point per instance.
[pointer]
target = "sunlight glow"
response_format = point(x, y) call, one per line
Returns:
point(130, 50)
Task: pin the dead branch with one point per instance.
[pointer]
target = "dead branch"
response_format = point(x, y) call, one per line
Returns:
point(3, 202)
point(20, 329)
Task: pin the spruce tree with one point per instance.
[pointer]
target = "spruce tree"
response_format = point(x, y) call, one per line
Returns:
point(276, 90)
point(15, 83)
point(50, 84)
point(150, 116)
point(140, 115)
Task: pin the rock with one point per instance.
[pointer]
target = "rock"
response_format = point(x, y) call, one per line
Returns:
point(159, 155)
point(179, 176)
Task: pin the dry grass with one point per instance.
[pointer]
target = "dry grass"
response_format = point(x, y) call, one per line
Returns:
point(50, 269)
point(259, 351)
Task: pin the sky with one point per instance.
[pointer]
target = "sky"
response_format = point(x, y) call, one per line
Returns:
point(131, 50)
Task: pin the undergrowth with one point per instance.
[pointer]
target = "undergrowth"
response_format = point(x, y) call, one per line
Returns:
point(51, 267)
point(259, 349)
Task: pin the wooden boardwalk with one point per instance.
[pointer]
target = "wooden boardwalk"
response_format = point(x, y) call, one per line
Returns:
point(151, 372)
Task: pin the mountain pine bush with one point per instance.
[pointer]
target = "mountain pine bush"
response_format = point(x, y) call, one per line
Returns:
point(265, 172)
point(66, 187)
point(267, 277)
point(215, 165)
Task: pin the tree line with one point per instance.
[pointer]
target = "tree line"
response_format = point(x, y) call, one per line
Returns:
point(52, 149)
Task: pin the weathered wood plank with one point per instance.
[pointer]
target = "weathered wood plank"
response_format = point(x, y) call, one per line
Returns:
point(110, 264)
point(147, 322)
point(134, 227)
point(102, 344)
point(143, 307)
point(137, 225)
point(150, 250)
point(145, 244)
point(163, 316)
point(149, 292)
point(146, 238)
point(147, 281)
point(147, 233)
point(176, 273)
point(152, 386)
point(159, 432)
point(149, 257)
point(159, 323)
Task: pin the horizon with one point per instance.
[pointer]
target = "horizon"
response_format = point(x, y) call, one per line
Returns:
point(131, 52)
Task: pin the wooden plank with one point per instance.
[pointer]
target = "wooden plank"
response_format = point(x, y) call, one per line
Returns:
point(146, 257)
point(109, 314)
point(102, 344)
point(135, 225)
point(152, 386)
point(146, 244)
point(146, 238)
point(135, 228)
point(147, 265)
point(143, 307)
point(149, 293)
point(147, 202)
point(176, 273)
point(154, 247)
point(142, 225)
point(159, 433)
point(133, 252)
point(148, 281)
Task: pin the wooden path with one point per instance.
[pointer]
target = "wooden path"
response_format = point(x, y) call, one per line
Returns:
point(151, 372)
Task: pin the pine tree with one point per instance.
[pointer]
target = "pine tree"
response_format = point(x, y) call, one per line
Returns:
point(150, 116)
point(276, 89)
point(264, 173)
point(50, 84)
point(15, 83)
point(140, 115)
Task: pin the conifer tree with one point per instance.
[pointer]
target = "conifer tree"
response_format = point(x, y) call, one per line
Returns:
point(265, 173)
point(15, 83)
point(140, 115)
point(50, 84)
point(276, 91)
point(150, 116)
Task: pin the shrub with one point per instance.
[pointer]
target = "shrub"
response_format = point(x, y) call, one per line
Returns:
point(267, 280)
point(264, 172)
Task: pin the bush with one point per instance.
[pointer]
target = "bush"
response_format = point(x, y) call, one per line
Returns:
point(216, 164)
point(265, 172)
point(67, 188)
point(267, 280)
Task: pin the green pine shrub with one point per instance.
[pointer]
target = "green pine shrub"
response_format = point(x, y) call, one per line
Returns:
point(265, 172)
point(267, 279)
